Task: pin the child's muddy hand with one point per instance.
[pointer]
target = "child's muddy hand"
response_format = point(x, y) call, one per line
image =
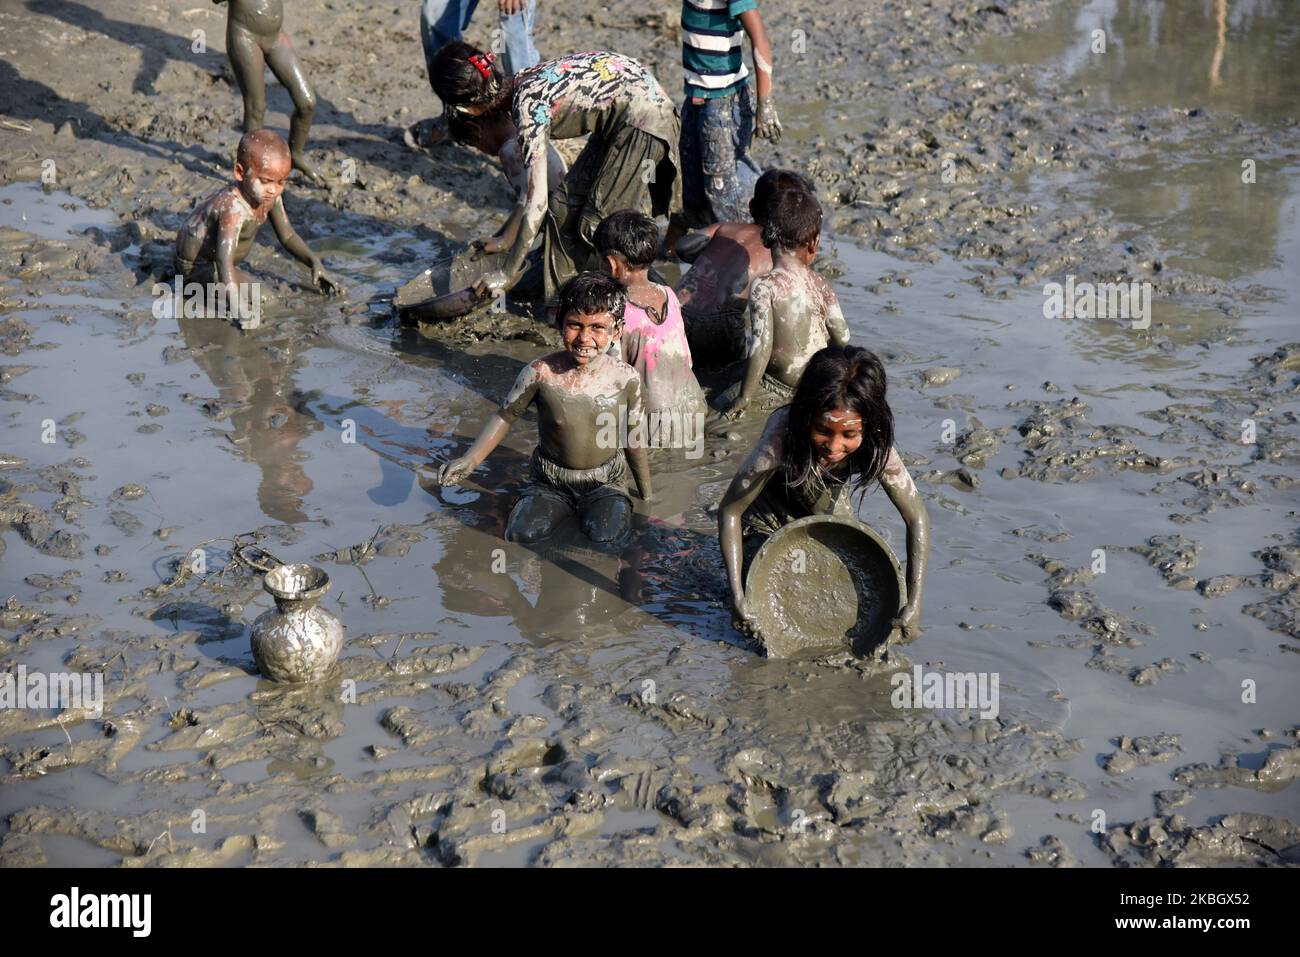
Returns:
point(325, 282)
point(743, 620)
point(908, 623)
point(737, 410)
point(488, 246)
point(455, 471)
point(767, 124)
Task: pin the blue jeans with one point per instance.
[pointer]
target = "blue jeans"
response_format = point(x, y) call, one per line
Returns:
point(718, 175)
point(442, 21)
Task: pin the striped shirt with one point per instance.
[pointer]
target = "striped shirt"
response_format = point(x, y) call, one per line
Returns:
point(713, 53)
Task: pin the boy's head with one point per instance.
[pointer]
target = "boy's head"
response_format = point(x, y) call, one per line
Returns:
point(628, 242)
point(771, 183)
point(794, 222)
point(262, 166)
point(589, 312)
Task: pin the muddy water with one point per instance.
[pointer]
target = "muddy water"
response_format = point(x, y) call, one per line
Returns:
point(500, 705)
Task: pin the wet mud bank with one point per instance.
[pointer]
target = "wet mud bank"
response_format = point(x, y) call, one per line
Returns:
point(1113, 508)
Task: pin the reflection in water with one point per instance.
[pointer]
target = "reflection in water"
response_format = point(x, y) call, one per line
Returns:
point(268, 418)
point(1184, 180)
point(1237, 56)
point(558, 589)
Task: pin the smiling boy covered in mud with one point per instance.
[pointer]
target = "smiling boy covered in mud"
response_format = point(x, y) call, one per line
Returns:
point(793, 312)
point(573, 470)
point(219, 233)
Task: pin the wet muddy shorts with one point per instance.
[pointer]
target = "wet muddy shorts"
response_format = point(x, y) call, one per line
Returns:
point(718, 175)
point(579, 489)
point(715, 338)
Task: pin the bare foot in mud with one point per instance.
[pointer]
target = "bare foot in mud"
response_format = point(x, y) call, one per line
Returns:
point(308, 170)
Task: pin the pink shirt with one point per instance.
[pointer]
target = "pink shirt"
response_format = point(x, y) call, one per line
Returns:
point(660, 353)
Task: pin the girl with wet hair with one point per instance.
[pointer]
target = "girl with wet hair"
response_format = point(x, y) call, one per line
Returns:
point(836, 437)
point(629, 162)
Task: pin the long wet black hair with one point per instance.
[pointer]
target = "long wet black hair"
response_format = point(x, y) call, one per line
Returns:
point(839, 377)
point(457, 75)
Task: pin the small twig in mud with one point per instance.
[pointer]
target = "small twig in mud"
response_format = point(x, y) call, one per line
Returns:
point(400, 639)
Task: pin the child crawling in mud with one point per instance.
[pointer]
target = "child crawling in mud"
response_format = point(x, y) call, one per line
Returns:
point(792, 311)
point(836, 436)
point(725, 258)
point(575, 469)
point(219, 233)
point(653, 339)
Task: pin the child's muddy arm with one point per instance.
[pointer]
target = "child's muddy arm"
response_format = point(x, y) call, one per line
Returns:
point(766, 123)
point(297, 247)
point(457, 470)
point(637, 459)
point(530, 220)
point(835, 324)
point(760, 348)
point(494, 430)
point(229, 224)
point(742, 492)
point(752, 21)
point(902, 492)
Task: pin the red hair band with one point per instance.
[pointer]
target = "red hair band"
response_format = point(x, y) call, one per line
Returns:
point(483, 63)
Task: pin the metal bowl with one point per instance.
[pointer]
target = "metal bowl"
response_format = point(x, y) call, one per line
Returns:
point(443, 291)
point(824, 584)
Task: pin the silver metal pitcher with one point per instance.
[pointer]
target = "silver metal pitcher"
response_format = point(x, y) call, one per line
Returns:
point(297, 640)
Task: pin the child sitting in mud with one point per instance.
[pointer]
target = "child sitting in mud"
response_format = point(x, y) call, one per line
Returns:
point(836, 436)
point(219, 233)
point(725, 258)
point(575, 469)
point(653, 340)
point(495, 135)
point(255, 41)
point(792, 311)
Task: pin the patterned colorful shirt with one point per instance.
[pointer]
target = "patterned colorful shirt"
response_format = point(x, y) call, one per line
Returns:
point(713, 51)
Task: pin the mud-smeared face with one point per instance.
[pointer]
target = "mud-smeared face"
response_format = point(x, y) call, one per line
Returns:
point(836, 435)
point(586, 337)
point(263, 182)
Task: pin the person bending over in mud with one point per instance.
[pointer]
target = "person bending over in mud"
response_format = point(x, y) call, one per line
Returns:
point(836, 436)
point(254, 41)
point(792, 310)
point(652, 340)
point(725, 258)
point(575, 469)
point(495, 134)
point(220, 231)
point(629, 160)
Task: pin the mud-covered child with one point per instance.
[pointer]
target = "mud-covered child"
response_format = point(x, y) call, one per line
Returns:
point(792, 310)
point(725, 258)
point(255, 40)
point(219, 233)
point(835, 437)
point(653, 339)
point(576, 469)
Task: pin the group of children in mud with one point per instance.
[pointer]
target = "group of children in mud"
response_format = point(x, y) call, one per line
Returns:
point(750, 300)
